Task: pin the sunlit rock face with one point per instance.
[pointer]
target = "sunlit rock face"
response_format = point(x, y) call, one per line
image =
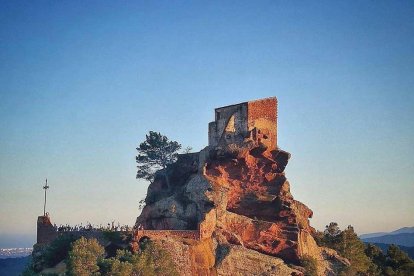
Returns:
point(235, 191)
point(184, 205)
point(257, 186)
point(260, 209)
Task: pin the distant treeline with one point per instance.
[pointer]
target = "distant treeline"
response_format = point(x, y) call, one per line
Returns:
point(365, 259)
point(384, 247)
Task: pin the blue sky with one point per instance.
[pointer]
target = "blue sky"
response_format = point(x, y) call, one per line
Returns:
point(81, 83)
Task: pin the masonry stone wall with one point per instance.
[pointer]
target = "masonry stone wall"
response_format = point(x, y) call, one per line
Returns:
point(93, 234)
point(160, 234)
point(46, 233)
point(262, 116)
point(230, 125)
point(249, 121)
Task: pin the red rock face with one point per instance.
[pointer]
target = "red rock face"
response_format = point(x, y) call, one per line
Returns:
point(257, 187)
point(261, 211)
point(248, 194)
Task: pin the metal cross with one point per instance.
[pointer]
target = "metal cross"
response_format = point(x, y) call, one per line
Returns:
point(44, 206)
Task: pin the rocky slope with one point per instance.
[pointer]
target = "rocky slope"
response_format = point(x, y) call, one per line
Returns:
point(239, 199)
point(210, 257)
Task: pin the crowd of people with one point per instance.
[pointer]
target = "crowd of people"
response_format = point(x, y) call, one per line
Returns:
point(91, 227)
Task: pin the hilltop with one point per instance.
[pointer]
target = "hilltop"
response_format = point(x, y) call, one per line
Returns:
point(226, 210)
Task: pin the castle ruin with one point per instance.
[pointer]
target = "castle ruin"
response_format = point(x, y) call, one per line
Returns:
point(238, 124)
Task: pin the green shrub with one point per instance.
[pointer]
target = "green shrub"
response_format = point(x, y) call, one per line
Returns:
point(163, 263)
point(310, 264)
point(112, 236)
point(348, 245)
point(398, 262)
point(84, 257)
point(151, 261)
point(119, 268)
point(58, 250)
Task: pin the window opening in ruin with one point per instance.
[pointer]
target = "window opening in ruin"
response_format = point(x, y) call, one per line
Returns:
point(231, 124)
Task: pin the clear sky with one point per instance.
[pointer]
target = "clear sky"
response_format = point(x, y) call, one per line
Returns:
point(82, 82)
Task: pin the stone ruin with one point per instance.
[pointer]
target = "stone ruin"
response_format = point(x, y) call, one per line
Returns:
point(46, 232)
point(246, 123)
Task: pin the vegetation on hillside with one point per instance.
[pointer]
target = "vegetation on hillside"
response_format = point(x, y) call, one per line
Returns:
point(365, 259)
point(151, 261)
point(87, 257)
point(310, 264)
point(84, 257)
point(58, 250)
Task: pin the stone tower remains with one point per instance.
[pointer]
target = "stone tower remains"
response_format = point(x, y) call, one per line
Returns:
point(46, 232)
point(249, 122)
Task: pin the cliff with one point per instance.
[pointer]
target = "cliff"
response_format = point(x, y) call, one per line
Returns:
point(236, 195)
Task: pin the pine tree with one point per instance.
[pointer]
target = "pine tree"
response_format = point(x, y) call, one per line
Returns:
point(398, 262)
point(156, 153)
point(353, 249)
point(377, 257)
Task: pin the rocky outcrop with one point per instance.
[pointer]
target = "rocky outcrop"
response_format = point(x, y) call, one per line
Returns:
point(209, 257)
point(236, 194)
point(244, 198)
point(238, 260)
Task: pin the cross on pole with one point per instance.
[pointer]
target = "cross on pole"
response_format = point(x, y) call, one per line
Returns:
point(44, 206)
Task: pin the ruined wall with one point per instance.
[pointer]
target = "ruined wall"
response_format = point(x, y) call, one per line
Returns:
point(93, 234)
point(262, 115)
point(230, 125)
point(46, 233)
point(235, 124)
point(161, 234)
